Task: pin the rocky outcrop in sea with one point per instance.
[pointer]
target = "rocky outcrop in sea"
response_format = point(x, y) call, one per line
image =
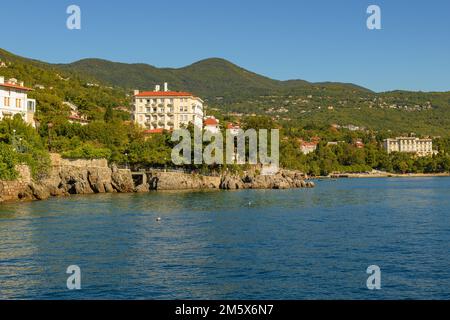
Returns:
point(68, 177)
point(284, 179)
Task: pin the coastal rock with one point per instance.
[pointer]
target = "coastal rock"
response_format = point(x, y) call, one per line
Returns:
point(100, 180)
point(142, 188)
point(181, 181)
point(283, 179)
point(121, 180)
point(38, 191)
point(230, 182)
point(310, 184)
point(74, 180)
point(94, 176)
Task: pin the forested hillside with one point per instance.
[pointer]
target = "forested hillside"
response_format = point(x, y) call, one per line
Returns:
point(95, 85)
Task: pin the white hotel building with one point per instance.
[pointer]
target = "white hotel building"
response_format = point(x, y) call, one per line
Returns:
point(14, 100)
point(168, 110)
point(421, 147)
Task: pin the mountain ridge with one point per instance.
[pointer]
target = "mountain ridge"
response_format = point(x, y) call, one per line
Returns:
point(90, 67)
point(218, 65)
point(229, 90)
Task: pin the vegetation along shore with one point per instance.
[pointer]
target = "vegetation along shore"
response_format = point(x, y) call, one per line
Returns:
point(84, 111)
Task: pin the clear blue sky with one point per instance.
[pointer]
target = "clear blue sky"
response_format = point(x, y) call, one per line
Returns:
point(285, 39)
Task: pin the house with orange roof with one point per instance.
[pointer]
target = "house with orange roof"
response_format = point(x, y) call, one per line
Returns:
point(14, 100)
point(75, 115)
point(308, 147)
point(211, 124)
point(359, 144)
point(234, 128)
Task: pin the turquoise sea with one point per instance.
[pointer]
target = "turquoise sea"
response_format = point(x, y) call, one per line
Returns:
point(249, 244)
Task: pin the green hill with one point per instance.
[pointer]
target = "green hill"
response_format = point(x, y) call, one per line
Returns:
point(95, 84)
point(52, 86)
point(208, 78)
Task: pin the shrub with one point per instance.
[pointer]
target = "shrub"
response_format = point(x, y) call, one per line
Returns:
point(87, 151)
point(8, 160)
point(22, 144)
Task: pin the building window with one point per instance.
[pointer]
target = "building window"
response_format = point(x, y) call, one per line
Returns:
point(31, 106)
point(18, 103)
point(6, 102)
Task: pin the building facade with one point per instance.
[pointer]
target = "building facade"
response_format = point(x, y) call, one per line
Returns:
point(14, 100)
point(75, 115)
point(234, 128)
point(308, 147)
point(421, 147)
point(164, 109)
point(211, 124)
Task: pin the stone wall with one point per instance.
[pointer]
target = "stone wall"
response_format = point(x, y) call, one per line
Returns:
point(12, 190)
point(58, 161)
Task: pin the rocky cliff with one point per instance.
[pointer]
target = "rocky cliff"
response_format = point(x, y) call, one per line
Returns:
point(95, 176)
point(284, 179)
point(68, 177)
point(179, 181)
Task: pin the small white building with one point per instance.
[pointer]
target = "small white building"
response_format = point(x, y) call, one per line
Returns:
point(308, 147)
point(211, 124)
point(233, 128)
point(75, 116)
point(14, 100)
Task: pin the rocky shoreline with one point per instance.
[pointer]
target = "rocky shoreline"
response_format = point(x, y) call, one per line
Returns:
point(68, 177)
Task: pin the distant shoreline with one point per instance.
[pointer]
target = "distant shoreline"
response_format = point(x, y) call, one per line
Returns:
point(383, 175)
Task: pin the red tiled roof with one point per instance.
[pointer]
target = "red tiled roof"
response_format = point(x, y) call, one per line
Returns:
point(309, 144)
point(159, 130)
point(163, 94)
point(14, 86)
point(78, 118)
point(210, 122)
point(231, 126)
